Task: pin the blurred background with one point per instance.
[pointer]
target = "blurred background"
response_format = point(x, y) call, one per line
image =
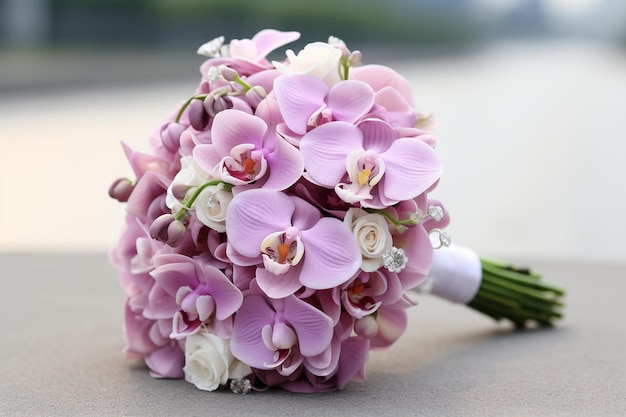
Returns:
point(530, 97)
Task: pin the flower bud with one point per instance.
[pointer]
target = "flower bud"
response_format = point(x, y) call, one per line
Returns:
point(121, 189)
point(198, 117)
point(227, 73)
point(366, 327)
point(170, 136)
point(214, 104)
point(179, 191)
point(355, 58)
point(255, 95)
point(168, 230)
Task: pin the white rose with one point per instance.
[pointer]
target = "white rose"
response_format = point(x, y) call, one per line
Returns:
point(190, 175)
point(317, 59)
point(209, 362)
point(211, 206)
point(373, 235)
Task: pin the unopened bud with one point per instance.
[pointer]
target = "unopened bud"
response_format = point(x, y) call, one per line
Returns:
point(167, 229)
point(228, 73)
point(121, 189)
point(170, 136)
point(366, 327)
point(355, 58)
point(255, 95)
point(214, 104)
point(198, 117)
point(179, 191)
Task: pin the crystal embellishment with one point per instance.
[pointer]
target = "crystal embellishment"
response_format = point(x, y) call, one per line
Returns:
point(435, 212)
point(394, 260)
point(240, 386)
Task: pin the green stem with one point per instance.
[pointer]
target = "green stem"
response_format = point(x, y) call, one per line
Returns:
point(396, 222)
point(516, 294)
point(242, 83)
point(187, 103)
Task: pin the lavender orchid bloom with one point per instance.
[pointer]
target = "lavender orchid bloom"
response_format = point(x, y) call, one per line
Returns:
point(267, 333)
point(197, 292)
point(246, 150)
point(287, 231)
point(307, 102)
point(246, 56)
point(368, 164)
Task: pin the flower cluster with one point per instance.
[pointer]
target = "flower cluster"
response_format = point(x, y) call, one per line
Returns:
point(281, 217)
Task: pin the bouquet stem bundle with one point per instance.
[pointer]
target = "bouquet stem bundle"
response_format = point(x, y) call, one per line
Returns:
point(516, 294)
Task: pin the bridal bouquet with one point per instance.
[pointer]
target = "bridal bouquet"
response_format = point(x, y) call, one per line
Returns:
point(276, 229)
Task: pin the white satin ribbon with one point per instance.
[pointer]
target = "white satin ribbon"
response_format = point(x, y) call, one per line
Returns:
point(456, 274)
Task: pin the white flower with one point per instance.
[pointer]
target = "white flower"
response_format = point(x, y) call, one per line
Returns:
point(211, 206)
point(317, 59)
point(209, 362)
point(372, 234)
point(190, 175)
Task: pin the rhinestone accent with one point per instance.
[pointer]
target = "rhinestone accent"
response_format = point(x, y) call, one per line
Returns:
point(394, 260)
point(440, 238)
point(435, 212)
point(445, 239)
point(240, 386)
point(212, 48)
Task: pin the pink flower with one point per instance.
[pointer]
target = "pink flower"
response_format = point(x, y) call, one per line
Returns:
point(192, 293)
point(247, 56)
point(306, 102)
point(368, 164)
point(393, 94)
point(246, 150)
point(271, 334)
point(285, 231)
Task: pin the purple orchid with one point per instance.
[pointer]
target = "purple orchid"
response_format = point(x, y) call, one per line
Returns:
point(246, 56)
point(393, 95)
point(369, 290)
point(351, 367)
point(286, 231)
point(192, 293)
point(278, 334)
point(368, 163)
point(307, 102)
point(246, 150)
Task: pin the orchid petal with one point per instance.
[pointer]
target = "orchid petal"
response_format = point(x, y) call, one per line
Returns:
point(253, 215)
point(299, 96)
point(313, 327)
point(352, 361)
point(326, 148)
point(278, 286)
point(205, 305)
point(268, 40)
point(377, 135)
point(286, 166)
point(350, 100)
point(167, 362)
point(232, 127)
point(331, 254)
point(172, 276)
point(380, 76)
point(206, 157)
point(246, 343)
point(411, 168)
point(391, 325)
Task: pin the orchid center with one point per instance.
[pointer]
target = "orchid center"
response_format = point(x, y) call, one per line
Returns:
point(282, 250)
point(365, 168)
point(245, 163)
